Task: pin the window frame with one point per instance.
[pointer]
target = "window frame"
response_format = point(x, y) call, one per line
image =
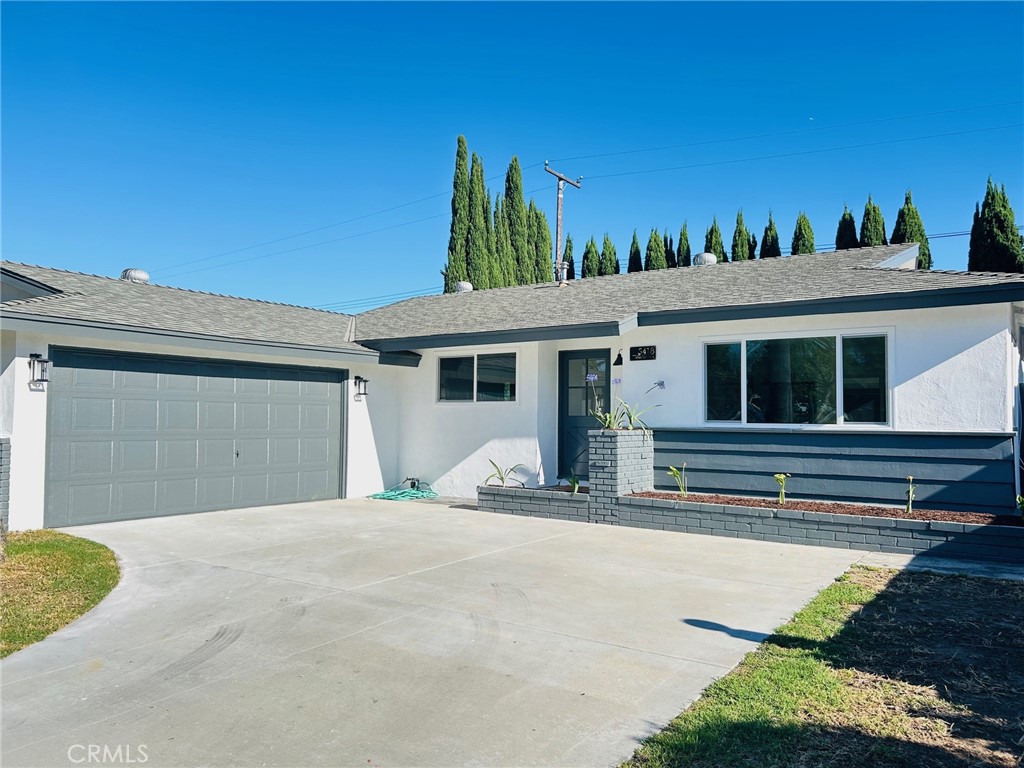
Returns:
point(887, 332)
point(473, 400)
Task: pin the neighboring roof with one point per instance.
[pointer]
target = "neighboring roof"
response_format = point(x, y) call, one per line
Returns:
point(820, 283)
point(83, 299)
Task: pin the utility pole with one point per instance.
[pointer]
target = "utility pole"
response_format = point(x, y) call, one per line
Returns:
point(561, 267)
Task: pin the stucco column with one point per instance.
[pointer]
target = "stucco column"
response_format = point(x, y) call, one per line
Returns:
point(621, 462)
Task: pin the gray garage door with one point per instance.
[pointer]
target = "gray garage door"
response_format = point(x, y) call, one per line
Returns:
point(139, 436)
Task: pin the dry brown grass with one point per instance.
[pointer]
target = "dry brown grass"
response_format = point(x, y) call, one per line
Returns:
point(48, 581)
point(908, 669)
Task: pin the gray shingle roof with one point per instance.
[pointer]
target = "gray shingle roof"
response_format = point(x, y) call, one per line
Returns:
point(615, 298)
point(117, 302)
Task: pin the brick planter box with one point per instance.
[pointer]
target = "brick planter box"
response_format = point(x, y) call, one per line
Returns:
point(533, 502)
point(875, 534)
point(622, 463)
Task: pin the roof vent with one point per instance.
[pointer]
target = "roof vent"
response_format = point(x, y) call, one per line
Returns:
point(703, 259)
point(134, 275)
point(463, 286)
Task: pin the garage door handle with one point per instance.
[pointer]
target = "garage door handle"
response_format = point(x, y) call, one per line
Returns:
point(236, 453)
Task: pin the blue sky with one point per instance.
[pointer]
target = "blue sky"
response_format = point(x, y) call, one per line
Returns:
point(175, 136)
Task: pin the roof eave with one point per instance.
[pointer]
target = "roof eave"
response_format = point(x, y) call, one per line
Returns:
point(20, 321)
point(938, 297)
point(490, 338)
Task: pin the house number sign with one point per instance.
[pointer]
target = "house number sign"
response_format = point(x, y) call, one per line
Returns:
point(643, 353)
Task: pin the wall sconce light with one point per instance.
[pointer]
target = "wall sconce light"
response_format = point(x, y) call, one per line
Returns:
point(360, 384)
point(618, 358)
point(39, 368)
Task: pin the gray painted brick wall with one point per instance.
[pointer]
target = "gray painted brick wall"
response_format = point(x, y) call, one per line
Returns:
point(622, 463)
point(5, 478)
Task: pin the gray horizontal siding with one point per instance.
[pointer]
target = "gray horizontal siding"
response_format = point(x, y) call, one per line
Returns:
point(956, 472)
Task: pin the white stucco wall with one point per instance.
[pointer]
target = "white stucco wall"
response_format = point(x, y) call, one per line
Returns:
point(372, 438)
point(951, 370)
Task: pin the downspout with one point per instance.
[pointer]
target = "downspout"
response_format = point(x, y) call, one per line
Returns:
point(1016, 333)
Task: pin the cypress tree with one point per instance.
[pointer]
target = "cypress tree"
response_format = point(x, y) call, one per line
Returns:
point(683, 251)
point(478, 262)
point(455, 269)
point(570, 270)
point(910, 229)
point(655, 258)
point(518, 223)
point(609, 264)
point(670, 251)
point(872, 226)
point(713, 241)
point(635, 259)
point(752, 252)
point(497, 273)
point(974, 248)
point(803, 235)
point(770, 248)
point(740, 240)
point(545, 269)
point(996, 247)
point(846, 232)
point(503, 255)
point(591, 259)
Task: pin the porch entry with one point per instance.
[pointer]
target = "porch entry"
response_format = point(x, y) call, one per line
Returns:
point(583, 387)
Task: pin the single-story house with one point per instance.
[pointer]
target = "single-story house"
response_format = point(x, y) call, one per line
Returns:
point(849, 370)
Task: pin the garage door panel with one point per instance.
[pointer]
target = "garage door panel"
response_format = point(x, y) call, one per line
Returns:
point(284, 450)
point(218, 454)
point(91, 456)
point(137, 455)
point(135, 499)
point(92, 414)
point(315, 484)
point(179, 455)
point(179, 495)
point(255, 416)
point(284, 486)
point(93, 379)
point(217, 492)
point(135, 436)
point(180, 415)
point(252, 489)
point(218, 416)
point(140, 415)
point(95, 498)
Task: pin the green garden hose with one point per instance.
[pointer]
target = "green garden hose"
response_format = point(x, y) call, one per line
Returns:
point(419, 490)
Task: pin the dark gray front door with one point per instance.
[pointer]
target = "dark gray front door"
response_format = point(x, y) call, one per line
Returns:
point(583, 387)
point(139, 435)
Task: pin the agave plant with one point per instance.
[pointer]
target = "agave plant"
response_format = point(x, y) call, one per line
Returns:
point(780, 478)
point(505, 476)
point(679, 475)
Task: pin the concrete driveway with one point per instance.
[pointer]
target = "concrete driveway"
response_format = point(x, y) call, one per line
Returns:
point(366, 633)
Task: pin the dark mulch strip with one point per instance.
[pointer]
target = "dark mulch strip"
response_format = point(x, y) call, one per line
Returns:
point(563, 488)
point(838, 508)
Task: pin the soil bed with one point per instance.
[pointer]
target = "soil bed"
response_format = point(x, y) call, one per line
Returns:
point(838, 508)
point(564, 488)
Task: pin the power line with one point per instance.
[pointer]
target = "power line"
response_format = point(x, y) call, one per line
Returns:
point(409, 203)
point(305, 247)
point(320, 229)
point(374, 298)
point(786, 133)
point(804, 152)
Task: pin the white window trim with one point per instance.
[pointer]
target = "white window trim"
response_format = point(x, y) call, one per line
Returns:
point(473, 400)
point(889, 332)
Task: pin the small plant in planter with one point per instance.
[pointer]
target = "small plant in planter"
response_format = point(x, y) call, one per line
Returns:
point(679, 475)
point(572, 481)
point(910, 493)
point(781, 478)
point(622, 416)
point(505, 476)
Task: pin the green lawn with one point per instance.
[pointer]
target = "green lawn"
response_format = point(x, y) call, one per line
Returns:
point(48, 581)
point(905, 669)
